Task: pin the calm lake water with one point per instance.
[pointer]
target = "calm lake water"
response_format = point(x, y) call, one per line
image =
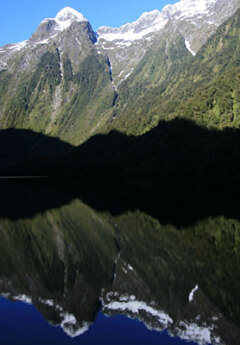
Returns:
point(75, 273)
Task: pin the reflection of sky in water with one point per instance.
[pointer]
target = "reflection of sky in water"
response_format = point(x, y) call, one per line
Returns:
point(22, 324)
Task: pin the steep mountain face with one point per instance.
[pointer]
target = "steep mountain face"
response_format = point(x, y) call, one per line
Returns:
point(70, 82)
point(50, 83)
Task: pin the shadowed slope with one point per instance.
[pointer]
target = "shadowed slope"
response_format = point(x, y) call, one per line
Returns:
point(17, 145)
point(178, 172)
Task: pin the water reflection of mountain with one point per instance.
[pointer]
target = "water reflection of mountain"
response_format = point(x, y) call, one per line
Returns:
point(71, 260)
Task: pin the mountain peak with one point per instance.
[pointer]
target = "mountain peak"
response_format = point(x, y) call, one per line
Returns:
point(68, 14)
point(153, 13)
point(188, 8)
point(150, 22)
point(66, 17)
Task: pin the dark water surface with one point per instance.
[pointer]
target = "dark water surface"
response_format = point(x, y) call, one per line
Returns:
point(74, 272)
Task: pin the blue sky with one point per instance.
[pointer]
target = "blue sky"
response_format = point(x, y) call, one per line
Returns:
point(19, 18)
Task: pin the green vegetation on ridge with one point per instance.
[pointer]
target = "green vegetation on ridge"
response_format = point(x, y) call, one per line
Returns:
point(204, 88)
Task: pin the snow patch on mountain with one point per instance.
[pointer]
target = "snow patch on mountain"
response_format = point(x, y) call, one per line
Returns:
point(148, 22)
point(17, 46)
point(127, 75)
point(46, 41)
point(188, 46)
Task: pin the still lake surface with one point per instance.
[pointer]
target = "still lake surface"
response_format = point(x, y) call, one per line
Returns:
point(75, 273)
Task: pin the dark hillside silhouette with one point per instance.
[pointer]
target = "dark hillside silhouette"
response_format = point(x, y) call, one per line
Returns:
point(18, 145)
point(178, 172)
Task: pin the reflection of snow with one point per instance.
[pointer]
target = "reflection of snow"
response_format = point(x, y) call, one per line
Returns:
point(191, 295)
point(23, 298)
point(137, 306)
point(202, 335)
point(70, 327)
point(48, 302)
point(154, 318)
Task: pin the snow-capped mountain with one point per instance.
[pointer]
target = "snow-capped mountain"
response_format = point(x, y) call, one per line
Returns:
point(195, 20)
point(87, 68)
point(150, 22)
point(58, 58)
point(68, 14)
point(64, 19)
point(51, 31)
